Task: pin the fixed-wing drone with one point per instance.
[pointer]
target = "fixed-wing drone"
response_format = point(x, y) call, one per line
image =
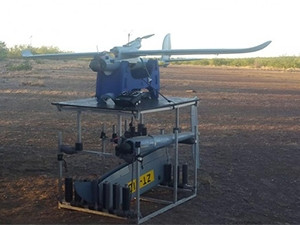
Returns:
point(122, 73)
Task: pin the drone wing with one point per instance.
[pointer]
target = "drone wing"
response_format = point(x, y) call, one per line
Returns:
point(138, 53)
point(28, 54)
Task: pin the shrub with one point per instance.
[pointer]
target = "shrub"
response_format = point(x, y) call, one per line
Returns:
point(16, 51)
point(3, 50)
point(19, 67)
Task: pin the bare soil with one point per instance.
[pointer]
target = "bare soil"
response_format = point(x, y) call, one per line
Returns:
point(249, 124)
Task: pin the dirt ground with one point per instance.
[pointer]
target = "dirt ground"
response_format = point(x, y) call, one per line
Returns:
point(249, 124)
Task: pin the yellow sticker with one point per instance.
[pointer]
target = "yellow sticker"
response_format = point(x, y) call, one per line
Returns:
point(145, 179)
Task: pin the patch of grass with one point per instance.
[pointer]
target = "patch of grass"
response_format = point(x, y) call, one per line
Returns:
point(26, 65)
point(33, 83)
point(38, 61)
point(283, 62)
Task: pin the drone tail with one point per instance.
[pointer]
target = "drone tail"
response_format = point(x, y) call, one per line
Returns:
point(166, 46)
point(27, 53)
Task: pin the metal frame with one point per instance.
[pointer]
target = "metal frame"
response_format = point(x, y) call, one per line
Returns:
point(139, 114)
point(195, 152)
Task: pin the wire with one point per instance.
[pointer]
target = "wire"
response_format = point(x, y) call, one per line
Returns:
point(149, 82)
point(65, 165)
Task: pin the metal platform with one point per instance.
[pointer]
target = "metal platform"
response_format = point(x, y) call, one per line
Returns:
point(147, 105)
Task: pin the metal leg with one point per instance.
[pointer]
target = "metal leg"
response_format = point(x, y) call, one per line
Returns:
point(138, 173)
point(175, 170)
point(196, 161)
point(175, 173)
point(141, 119)
point(125, 125)
point(177, 119)
point(60, 165)
point(119, 125)
point(194, 124)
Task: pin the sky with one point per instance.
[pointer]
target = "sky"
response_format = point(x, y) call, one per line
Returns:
point(88, 25)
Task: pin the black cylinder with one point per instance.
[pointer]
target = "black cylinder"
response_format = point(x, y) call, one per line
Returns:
point(78, 146)
point(125, 198)
point(140, 129)
point(184, 174)
point(167, 174)
point(68, 189)
point(94, 191)
point(144, 131)
point(106, 195)
point(116, 196)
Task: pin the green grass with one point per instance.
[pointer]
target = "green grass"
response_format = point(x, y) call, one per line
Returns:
point(26, 65)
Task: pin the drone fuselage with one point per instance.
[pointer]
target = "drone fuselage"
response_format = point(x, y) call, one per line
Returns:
point(125, 79)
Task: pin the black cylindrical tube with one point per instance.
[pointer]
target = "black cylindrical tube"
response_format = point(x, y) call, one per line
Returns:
point(95, 192)
point(167, 173)
point(144, 131)
point(78, 146)
point(125, 198)
point(116, 196)
point(68, 189)
point(184, 174)
point(106, 195)
point(140, 129)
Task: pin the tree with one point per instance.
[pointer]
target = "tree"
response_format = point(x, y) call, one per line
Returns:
point(16, 51)
point(3, 50)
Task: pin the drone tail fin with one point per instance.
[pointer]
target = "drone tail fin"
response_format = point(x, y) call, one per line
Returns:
point(27, 53)
point(166, 46)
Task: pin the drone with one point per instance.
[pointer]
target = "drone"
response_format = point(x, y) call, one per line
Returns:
point(125, 77)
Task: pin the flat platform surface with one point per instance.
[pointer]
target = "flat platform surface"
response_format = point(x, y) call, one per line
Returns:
point(147, 104)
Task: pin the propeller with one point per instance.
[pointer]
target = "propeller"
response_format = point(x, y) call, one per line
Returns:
point(147, 36)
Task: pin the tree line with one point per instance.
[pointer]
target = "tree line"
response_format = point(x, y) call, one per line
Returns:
point(281, 62)
point(16, 51)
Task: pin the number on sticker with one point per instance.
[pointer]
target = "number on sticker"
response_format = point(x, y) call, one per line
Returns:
point(145, 179)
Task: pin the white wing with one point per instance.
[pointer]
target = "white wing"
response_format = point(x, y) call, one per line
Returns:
point(28, 54)
point(123, 54)
point(138, 53)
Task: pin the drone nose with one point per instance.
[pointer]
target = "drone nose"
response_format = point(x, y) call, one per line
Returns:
point(98, 64)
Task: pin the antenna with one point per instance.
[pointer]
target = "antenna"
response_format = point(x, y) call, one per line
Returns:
point(129, 37)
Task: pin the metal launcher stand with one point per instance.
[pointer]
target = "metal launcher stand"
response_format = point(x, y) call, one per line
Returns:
point(173, 104)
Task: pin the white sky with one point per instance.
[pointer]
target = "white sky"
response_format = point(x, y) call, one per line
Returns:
point(82, 25)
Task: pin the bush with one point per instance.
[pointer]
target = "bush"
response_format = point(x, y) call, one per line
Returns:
point(3, 50)
point(16, 51)
point(19, 67)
